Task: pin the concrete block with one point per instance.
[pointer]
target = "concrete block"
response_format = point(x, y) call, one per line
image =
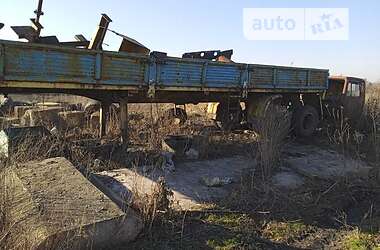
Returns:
point(51, 205)
point(20, 110)
point(49, 104)
point(189, 192)
point(314, 162)
point(94, 120)
point(44, 116)
point(177, 144)
point(72, 119)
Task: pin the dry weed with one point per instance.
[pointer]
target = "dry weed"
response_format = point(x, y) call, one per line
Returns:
point(372, 113)
point(272, 133)
point(150, 205)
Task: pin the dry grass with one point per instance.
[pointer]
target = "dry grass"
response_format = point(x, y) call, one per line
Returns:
point(3, 206)
point(372, 115)
point(151, 206)
point(356, 240)
point(272, 133)
point(359, 139)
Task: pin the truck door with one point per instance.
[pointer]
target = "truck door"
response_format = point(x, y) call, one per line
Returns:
point(334, 98)
point(354, 98)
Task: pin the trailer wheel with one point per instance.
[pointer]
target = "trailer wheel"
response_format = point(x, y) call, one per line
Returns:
point(306, 120)
point(259, 108)
point(228, 116)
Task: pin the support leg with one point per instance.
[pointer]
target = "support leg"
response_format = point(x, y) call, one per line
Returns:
point(124, 121)
point(103, 116)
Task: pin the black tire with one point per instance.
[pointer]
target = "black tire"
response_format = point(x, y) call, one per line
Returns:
point(228, 116)
point(306, 120)
point(259, 108)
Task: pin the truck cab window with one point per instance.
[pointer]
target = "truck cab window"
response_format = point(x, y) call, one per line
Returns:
point(353, 89)
point(335, 87)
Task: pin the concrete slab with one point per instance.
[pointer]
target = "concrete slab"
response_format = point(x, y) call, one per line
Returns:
point(42, 116)
point(321, 163)
point(198, 183)
point(287, 180)
point(186, 182)
point(52, 205)
point(73, 119)
point(20, 110)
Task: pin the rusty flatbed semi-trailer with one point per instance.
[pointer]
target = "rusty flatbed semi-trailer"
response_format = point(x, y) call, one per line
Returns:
point(26, 67)
point(138, 78)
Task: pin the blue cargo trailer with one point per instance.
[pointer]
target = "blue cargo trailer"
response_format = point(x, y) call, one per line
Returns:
point(34, 66)
point(138, 78)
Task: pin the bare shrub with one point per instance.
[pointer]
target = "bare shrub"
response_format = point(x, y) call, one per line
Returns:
point(5, 198)
point(149, 205)
point(3, 206)
point(370, 126)
point(372, 113)
point(113, 123)
point(340, 132)
point(272, 130)
point(30, 148)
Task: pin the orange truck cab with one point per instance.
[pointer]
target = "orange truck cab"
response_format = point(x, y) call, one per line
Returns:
point(345, 94)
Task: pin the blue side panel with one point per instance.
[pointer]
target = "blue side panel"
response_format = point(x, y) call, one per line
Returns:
point(123, 70)
point(51, 64)
point(267, 77)
point(220, 75)
point(287, 77)
point(262, 77)
point(174, 73)
point(48, 65)
point(318, 79)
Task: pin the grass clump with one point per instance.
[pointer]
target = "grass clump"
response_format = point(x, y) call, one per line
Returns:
point(357, 240)
point(286, 232)
point(226, 244)
point(229, 220)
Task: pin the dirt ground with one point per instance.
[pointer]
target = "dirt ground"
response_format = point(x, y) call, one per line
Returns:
point(322, 213)
point(324, 194)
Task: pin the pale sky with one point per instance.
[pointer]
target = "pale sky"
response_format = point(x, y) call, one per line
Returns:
point(178, 26)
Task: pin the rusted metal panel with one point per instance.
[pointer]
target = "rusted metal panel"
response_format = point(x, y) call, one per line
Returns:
point(48, 65)
point(52, 66)
point(288, 77)
point(2, 61)
point(177, 73)
point(223, 75)
point(318, 78)
point(98, 66)
point(97, 40)
point(261, 77)
point(209, 55)
point(132, 46)
point(123, 70)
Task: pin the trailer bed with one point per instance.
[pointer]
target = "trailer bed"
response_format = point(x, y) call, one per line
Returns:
point(27, 67)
